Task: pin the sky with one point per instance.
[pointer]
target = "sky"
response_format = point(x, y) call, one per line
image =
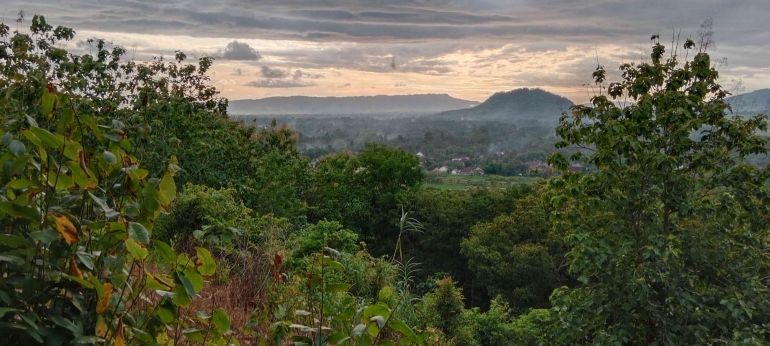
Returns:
point(468, 49)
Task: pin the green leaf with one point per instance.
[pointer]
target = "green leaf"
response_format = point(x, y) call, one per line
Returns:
point(62, 322)
point(137, 232)
point(187, 285)
point(375, 310)
point(402, 328)
point(45, 236)
point(385, 293)
point(195, 278)
point(136, 250)
point(48, 101)
point(220, 320)
point(181, 297)
point(109, 157)
point(167, 254)
point(386, 343)
point(302, 313)
point(11, 259)
point(167, 189)
point(193, 334)
point(16, 210)
point(50, 140)
point(3, 311)
point(204, 262)
point(337, 338)
point(17, 148)
point(20, 184)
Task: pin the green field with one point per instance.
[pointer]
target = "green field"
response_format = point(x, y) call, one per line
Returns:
point(461, 182)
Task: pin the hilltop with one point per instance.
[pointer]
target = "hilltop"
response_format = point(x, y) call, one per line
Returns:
point(514, 106)
point(381, 104)
point(751, 103)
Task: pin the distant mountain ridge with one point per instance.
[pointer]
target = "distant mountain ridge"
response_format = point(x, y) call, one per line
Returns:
point(381, 104)
point(751, 103)
point(515, 106)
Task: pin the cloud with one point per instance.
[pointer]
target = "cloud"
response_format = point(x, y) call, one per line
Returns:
point(398, 85)
point(346, 85)
point(269, 72)
point(238, 72)
point(298, 74)
point(279, 83)
point(442, 41)
point(240, 51)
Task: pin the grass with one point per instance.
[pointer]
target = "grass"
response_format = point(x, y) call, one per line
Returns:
point(462, 182)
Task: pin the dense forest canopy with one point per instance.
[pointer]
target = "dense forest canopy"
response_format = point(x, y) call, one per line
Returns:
point(136, 211)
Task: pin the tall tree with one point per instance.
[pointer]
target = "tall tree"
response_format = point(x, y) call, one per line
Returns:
point(669, 234)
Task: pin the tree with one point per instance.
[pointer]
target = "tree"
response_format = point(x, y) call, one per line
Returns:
point(668, 235)
point(510, 256)
point(77, 212)
point(363, 191)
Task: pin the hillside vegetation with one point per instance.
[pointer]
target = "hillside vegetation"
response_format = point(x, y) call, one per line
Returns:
point(134, 211)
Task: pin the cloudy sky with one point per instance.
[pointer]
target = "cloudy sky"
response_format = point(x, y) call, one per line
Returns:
point(466, 48)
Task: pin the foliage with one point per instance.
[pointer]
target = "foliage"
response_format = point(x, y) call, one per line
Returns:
point(313, 238)
point(362, 192)
point(498, 326)
point(165, 108)
point(669, 235)
point(332, 316)
point(207, 215)
point(443, 308)
point(447, 217)
point(511, 256)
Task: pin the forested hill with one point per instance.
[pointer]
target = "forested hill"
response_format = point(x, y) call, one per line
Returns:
point(515, 106)
point(381, 104)
point(751, 103)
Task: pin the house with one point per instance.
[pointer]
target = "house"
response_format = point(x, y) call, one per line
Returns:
point(455, 172)
point(461, 158)
point(575, 168)
point(471, 171)
point(420, 156)
point(538, 166)
point(442, 169)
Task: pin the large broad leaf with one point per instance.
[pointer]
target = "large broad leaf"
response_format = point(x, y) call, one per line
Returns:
point(48, 139)
point(48, 100)
point(337, 338)
point(385, 293)
point(167, 254)
point(17, 148)
point(137, 232)
point(402, 328)
point(136, 249)
point(204, 262)
point(220, 320)
point(109, 157)
point(16, 210)
point(167, 189)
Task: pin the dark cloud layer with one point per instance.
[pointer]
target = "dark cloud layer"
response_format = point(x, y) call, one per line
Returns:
point(365, 35)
